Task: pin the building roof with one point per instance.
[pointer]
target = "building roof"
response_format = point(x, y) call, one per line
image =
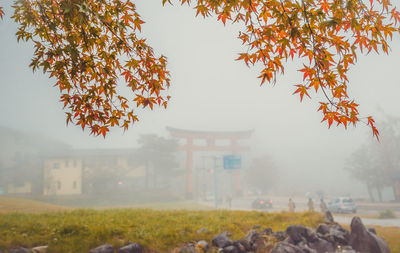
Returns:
point(92, 153)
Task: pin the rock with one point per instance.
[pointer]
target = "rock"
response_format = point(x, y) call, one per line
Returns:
point(296, 234)
point(243, 245)
point(106, 248)
point(202, 230)
point(362, 240)
point(267, 231)
point(329, 218)
point(231, 249)
point(250, 240)
point(256, 226)
point(186, 248)
point(372, 230)
point(202, 246)
point(20, 250)
point(337, 235)
point(280, 235)
point(323, 229)
point(308, 240)
point(305, 248)
point(222, 240)
point(284, 247)
point(40, 249)
point(345, 249)
point(131, 248)
point(322, 245)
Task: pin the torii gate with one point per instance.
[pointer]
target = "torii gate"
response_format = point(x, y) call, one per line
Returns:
point(210, 137)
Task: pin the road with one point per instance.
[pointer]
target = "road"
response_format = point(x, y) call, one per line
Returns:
point(364, 209)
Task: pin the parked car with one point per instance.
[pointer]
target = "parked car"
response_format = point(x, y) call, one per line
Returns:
point(342, 205)
point(260, 203)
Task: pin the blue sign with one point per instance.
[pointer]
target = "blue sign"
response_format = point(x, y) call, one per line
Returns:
point(232, 162)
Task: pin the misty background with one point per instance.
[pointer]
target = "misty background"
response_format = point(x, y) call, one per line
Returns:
point(212, 92)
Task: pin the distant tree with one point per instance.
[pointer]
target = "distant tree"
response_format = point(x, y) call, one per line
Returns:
point(387, 153)
point(378, 164)
point(92, 46)
point(363, 166)
point(158, 155)
point(262, 174)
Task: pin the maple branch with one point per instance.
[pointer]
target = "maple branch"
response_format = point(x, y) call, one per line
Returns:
point(254, 34)
point(314, 53)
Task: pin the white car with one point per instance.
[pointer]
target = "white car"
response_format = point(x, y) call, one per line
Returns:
point(342, 205)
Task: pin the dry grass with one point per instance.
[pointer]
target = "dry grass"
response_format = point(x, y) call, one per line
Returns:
point(159, 230)
point(8, 205)
point(391, 236)
point(30, 223)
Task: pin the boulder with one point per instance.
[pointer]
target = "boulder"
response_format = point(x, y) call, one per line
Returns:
point(280, 235)
point(186, 248)
point(337, 235)
point(308, 240)
point(322, 246)
point(222, 240)
point(105, 248)
point(305, 248)
point(372, 230)
point(40, 249)
point(232, 249)
point(323, 229)
point(329, 218)
point(243, 245)
point(362, 240)
point(284, 247)
point(296, 233)
point(202, 246)
point(267, 231)
point(249, 241)
point(131, 248)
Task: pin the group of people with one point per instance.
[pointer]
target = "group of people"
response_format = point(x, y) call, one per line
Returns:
point(310, 204)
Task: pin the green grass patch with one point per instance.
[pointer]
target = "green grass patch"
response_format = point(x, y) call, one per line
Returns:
point(387, 214)
point(157, 230)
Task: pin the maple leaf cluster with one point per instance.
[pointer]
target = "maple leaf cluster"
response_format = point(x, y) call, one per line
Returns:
point(327, 34)
point(91, 47)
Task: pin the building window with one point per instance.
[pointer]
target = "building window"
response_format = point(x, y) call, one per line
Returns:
point(56, 165)
point(58, 185)
point(75, 163)
point(74, 185)
point(66, 163)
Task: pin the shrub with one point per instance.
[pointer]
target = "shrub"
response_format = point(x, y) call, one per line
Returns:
point(387, 214)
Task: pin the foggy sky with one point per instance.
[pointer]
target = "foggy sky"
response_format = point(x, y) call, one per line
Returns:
point(212, 91)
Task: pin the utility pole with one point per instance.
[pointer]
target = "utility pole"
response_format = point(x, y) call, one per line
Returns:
point(216, 185)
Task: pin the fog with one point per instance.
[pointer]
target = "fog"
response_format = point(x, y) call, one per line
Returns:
point(212, 92)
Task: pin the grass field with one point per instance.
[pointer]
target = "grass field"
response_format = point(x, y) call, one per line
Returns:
point(78, 230)
point(158, 230)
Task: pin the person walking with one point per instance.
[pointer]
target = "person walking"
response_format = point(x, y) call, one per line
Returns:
point(310, 205)
point(291, 205)
point(229, 201)
point(322, 206)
